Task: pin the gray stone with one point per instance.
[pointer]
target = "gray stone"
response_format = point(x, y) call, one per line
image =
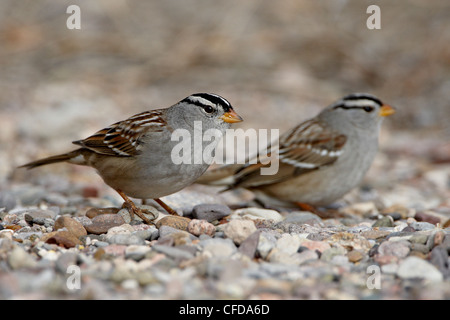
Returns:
point(307, 255)
point(302, 217)
point(238, 230)
point(422, 226)
point(218, 247)
point(258, 214)
point(165, 231)
point(399, 249)
point(414, 267)
point(385, 221)
point(173, 252)
point(102, 223)
point(126, 239)
point(329, 254)
point(419, 238)
point(210, 212)
point(440, 259)
point(39, 216)
point(19, 258)
point(420, 248)
point(136, 252)
point(148, 234)
point(27, 235)
point(289, 243)
point(65, 260)
point(249, 245)
point(100, 244)
point(267, 241)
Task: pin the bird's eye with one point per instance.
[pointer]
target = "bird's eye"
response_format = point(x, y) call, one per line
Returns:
point(368, 109)
point(208, 109)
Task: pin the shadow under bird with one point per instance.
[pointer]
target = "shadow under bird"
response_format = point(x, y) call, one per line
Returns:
point(133, 156)
point(320, 160)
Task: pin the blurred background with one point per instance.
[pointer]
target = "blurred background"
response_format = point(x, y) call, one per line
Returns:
point(278, 62)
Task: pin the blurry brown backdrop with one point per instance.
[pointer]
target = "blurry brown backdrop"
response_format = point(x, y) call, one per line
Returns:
point(278, 62)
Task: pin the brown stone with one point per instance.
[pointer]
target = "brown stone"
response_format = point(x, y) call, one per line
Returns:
point(177, 222)
point(93, 212)
point(426, 217)
point(102, 223)
point(72, 225)
point(62, 238)
point(355, 256)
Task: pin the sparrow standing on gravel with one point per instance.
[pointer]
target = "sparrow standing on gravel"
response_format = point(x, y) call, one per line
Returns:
point(133, 156)
point(320, 160)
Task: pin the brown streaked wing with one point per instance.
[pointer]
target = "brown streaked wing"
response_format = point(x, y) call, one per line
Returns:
point(306, 147)
point(311, 145)
point(123, 138)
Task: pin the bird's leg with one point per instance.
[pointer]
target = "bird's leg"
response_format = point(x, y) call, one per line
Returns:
point(166, 207)
point(132, 209)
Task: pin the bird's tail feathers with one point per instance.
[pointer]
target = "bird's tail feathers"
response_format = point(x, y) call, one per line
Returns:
point(65, 157)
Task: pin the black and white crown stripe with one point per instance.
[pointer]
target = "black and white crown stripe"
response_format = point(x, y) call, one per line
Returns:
point(358, 100)
point(208, 99)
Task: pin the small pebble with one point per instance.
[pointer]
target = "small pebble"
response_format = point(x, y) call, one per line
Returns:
point(248, 246)
point(62, 238)
point(330, 253)
point(413, 267)
point(177, 222)
point(136, 252)
point(301, 217)
point(398, 249)
point(72, 225)
point(19, 258)
point(39, 216)
point(266, 243)
point(218, 247)
point(173, 252)
point(65, 260)
point(385, 221)
point(93, 212)
point(424, 217)
point(355, 256)
point(258, 213)
point(210, 212)
point(198, 227)
point(419, 238)
point(238, 230)
point(125, 239)
point(422, 226)
point(102, 223)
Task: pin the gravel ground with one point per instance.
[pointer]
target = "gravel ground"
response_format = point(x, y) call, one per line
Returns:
point(391, 241)
point(62, 233)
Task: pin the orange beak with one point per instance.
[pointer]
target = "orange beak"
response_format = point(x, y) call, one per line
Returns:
point(231, 117)
point(386, 110)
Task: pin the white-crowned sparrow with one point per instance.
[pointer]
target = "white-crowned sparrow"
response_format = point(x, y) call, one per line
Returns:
point(320, 160)
point(134, 156)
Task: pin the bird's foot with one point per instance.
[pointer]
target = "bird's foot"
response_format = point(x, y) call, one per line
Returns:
point(132, 209)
